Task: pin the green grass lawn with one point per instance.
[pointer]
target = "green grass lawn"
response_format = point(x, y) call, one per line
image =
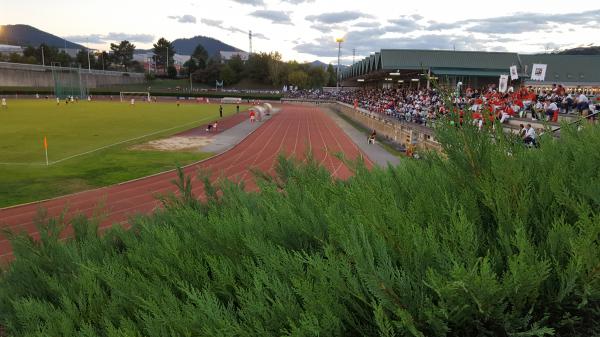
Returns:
point(86, 126)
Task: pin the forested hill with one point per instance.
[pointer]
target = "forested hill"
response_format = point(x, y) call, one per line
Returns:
point(212, 46)
point(593, 50)
point(25, 35)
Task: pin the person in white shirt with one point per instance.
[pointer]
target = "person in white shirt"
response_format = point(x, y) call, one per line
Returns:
point(132, 102)
point(4, 104)
point(582, 102)
point(539, 106)
point(530, 136)
point(551, 107)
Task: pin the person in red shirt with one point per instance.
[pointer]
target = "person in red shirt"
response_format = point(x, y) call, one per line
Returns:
point(252, 116)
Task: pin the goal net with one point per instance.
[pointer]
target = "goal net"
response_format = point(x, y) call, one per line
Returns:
point(143, 96)
point(68, 82)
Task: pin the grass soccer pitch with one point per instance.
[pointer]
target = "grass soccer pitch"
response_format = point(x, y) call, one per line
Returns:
point(89, 144)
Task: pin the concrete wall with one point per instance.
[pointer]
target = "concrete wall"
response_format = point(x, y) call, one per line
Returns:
point(41, 77)
point(401, 133)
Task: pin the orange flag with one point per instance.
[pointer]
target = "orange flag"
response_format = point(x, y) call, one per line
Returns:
point(45, 143)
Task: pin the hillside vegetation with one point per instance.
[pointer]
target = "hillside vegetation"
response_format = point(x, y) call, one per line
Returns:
point(492, 240)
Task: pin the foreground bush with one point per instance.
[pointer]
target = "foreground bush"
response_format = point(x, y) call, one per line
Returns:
point(492, 240)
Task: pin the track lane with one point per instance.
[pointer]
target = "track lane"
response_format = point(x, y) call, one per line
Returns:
point(292, 132)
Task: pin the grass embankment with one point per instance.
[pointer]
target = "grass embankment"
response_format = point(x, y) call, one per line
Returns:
point(382, 141)
point(494, 240)
point(87, 126)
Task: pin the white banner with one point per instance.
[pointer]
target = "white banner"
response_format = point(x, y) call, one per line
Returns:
point(538, 72)
point(514, 74)
point(503, 86)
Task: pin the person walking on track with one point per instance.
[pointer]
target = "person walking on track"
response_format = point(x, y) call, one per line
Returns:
point(252, 116)
point(221, 111)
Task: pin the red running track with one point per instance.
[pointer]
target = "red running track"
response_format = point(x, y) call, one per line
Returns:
point(292, 131)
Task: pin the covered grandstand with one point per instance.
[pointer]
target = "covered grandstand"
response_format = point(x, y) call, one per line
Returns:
point(411, 68)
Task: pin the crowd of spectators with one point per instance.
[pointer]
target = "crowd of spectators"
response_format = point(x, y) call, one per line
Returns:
point(424, 106)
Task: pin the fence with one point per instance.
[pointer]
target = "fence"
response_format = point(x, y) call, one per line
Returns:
point(40, 68)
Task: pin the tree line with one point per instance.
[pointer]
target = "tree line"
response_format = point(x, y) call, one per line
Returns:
point(120, 57)
point(261, 68)
point(266, 69)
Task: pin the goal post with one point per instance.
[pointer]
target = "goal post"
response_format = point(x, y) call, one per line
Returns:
point(127, 95)
point(68, 81)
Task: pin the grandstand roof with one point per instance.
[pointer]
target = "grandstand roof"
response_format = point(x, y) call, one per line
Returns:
point(574, 69)
point(565, 68)
point(408, 59)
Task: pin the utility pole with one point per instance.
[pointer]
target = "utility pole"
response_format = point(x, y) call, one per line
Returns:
point(88, 52)
point(250, 40)
point(339, 41)
point(43, 61)
point(167, 66)
point(353, 54)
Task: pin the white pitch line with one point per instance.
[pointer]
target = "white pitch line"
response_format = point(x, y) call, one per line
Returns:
point(106, 146)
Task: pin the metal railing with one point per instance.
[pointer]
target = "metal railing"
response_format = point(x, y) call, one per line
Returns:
point(40, 68)
point(581, 119)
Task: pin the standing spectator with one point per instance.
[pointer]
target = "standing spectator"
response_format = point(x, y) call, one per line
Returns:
point(372, 137)
point(237, 109)
point(4, 104)
point(221, 111)
point(252, 116)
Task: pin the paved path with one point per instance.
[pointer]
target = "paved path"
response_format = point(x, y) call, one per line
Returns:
point(375, 152)
point(293, 131)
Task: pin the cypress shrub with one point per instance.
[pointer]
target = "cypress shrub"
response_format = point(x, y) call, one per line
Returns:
point(492, 239)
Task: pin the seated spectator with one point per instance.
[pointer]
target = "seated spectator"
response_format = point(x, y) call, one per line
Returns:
point(530, 136)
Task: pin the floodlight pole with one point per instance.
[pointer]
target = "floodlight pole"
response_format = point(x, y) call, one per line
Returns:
point(43, 61)
point(88, 52)
point(339, 41)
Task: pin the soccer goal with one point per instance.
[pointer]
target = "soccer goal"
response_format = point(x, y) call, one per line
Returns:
point(68, 82)
point(137, 95)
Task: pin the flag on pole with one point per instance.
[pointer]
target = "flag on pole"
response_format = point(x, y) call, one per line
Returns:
point(46, 149)
point(503, 85)
point(538, 72)
point(514, 74)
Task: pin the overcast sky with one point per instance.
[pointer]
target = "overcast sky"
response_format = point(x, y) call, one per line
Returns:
point(305, 29)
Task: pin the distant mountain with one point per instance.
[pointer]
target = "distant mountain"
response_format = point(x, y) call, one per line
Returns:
point(318, 64)
point(212, 46)
point(324, 65)
point(591, 50)
point(25, 35)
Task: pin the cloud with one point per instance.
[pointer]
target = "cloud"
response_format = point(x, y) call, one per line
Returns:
point(142, 38)
point(338, 17)
point(279, 17)
point(210, 22)
point(297, 2)
point(370, 40)
point(184, 18)
point(232, 29)
point(516, 23)
point(91, 38)
point(111, 37)
point(260, 36)
point(322, 28)
point(366, 24)
point(403, 24)
point(251, 2)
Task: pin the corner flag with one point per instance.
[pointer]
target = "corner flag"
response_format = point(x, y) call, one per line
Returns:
point(46, 149)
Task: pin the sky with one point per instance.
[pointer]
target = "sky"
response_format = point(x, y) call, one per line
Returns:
point(305, 30)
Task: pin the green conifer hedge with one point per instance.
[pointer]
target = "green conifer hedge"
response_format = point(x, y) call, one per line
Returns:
point(492, 239)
